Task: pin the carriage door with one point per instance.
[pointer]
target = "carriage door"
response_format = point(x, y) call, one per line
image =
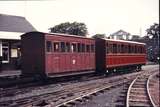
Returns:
point(73, 57)
point(56, 58)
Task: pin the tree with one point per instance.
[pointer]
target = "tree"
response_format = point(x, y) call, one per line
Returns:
point(74, 28)
point(153, 43)
point(99, 36)
point(153, 31)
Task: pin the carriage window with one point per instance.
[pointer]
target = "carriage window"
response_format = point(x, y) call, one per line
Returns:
point(135, 49)
point(83, 48)
point(141, 49)
point(73, 47)
point(138, 49)
point(119, 48)
point(67, 47)
point(49, 46)
point(92, 48)
point(62, 47)
point(125, 49)
point(87, 48)
point(79, 47)
point(132, 49)
point(110, 48)
point(114, 48)
point(122, 48)
point(107, 47)
point(129, 49)
point(56, 46)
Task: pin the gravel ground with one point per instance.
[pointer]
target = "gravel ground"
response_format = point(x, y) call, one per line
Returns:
point(106, 99)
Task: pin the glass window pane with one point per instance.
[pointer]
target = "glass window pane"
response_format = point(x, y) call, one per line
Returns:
point(119, 48)
point(129, 49)
point(67, 47)
point(111, 48)
point(114, 48)
point(106, 47)
point(87, 48)
point(73, 47)
point(62, 47)
point(135, 49)
point(83, 48)
point(122, 48)
point(92, 48)
point(49, 46)
point(79, 47)
point(56, 46)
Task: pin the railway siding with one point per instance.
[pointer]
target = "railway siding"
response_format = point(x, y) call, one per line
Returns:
point(138, 93)
point(154, 89)
point(63, 93)
point(59, 95)
point(88, 93)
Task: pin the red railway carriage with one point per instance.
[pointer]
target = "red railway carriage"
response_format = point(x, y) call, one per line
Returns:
point(117, 54)
point(56, 54)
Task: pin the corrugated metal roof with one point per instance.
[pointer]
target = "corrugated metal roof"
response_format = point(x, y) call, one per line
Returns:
point(12, 23)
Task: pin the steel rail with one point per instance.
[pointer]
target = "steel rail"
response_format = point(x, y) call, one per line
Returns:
point(90, 93)
point(148, 75)
point(128, 92)
point(148, 81)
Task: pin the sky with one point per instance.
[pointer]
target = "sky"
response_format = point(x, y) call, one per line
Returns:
point(100, 16)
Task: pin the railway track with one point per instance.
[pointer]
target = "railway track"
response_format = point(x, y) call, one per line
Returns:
point(153, 89)
point(138, 94)
point(64, 93)
point(10, 81)
point(30, 85)
point(27, 86)
point(102, 89)
point(89, 94)
point(67, 94)
point(83, 93)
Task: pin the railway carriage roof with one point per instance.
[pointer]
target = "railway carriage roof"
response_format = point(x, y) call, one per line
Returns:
point(124, 41)
point(69, 35)
point(76, 36)
point(57, 34)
